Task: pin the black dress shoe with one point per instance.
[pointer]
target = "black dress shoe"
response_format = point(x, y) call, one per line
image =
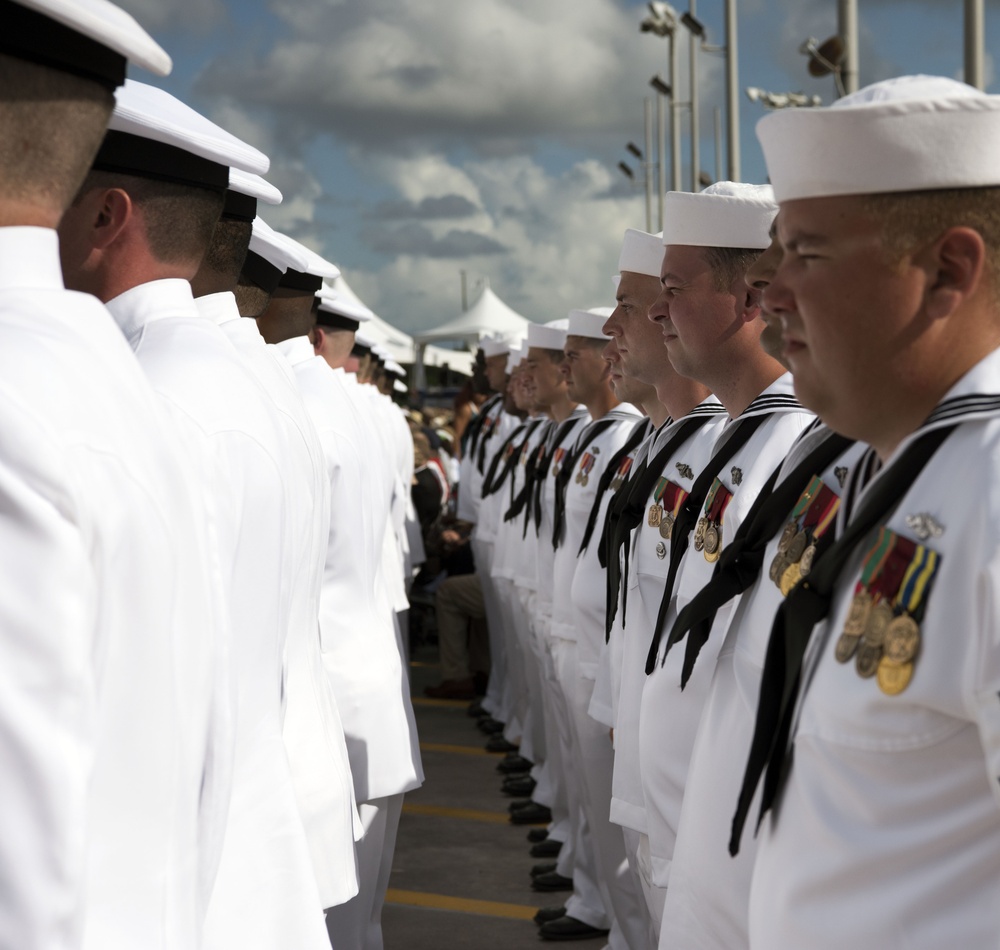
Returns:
point(490, 726)
point(522, 788)
point(537, 835)
point(476, 710)
point(569, 928)
point(498, 743)
point(543, 869)
point(519, 804)
point(514, 764)
point(545, 914)
point(533, 814)
point(546, 849)
point(551, 882)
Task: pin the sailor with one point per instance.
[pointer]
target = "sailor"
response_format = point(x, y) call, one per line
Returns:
point(601, 856)
point(311, 726)
point(361, 653)
point(636, 556)
point(134, 237)
point(105, 736)
point(886, 294)
point(709, 238)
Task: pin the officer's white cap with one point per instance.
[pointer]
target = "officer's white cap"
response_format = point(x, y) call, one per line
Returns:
point(399, 386)
point(912, 133)
point(72, 38)
point(642, 253)
point(244, 191)
point(362, 339)
point(550, 336)
point(588, 323)
point(311, 276)
point(188, 148)
point(726, 214)
point(391, 366)
point(269, 256)
point(336, 311)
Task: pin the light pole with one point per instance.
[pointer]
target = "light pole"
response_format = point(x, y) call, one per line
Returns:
point(847, 24)
point(697, 32)
point(732, 92)
point(974, 31)
point(663, 21)
point(663, 93)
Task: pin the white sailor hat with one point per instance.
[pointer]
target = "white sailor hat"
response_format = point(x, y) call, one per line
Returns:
point(362, 341)
point(270, 254)
point(152, 134)
point(549, 336)
point(399, 386)
point(494, 346)
point(339, 313)
point(244, 191)
point(308, 278)
point(642, 253)
point(726, 214)
point(588, 323)
point(391, 366)
point(515, 354)
point(380, 353)
point(89, 38)
point(912, 133)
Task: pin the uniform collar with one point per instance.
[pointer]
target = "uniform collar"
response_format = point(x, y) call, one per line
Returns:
point(154, 300)
point(219, 308)
point(29, 258)
point(297, 350)
point(778, 397)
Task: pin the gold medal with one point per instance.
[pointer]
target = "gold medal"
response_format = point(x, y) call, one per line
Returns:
point(893, 678)
point(584, 479)
point(791, 529)
point(902, 640)
point(867, 659)
point(555, 470)
point(667, 525)
point(854, 626)
point(846, 645)
point(616, 483)
point(796, 547)
point(712, 540)
point(791, 576)
point(578, 479)
point(655, 514)
point(806, 561)
point(699, 534)
point(778, 567)
point(879, 618)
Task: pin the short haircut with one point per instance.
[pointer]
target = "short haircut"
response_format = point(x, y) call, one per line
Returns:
point(914, 218)
point(556, 356)
point(591, 342)
point(179, 219)
point(228, 248)
point(251, 299)
point(53, 123)
point(729, 263)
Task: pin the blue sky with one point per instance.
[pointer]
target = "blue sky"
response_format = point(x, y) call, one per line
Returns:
point(417, 138)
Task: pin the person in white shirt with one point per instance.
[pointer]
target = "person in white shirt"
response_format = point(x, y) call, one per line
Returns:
point(134, 236)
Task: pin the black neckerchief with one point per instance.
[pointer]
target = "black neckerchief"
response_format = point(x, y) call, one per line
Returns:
point(592, 431)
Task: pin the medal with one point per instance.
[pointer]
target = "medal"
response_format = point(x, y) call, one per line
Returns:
point(790, 577)
point(667, 525)
point(796, 547)
point(812, 515)
point(806, 561)
point(778, 567)
point(661, 550)
point(712, 540)
point(846, 645)
point(616, 483)
point(716, 502)
point(857, 617)
point(584, 479)
point(878, 619)
point(902, 640)
point(893, 678)
point(699, 534)
point(866, 660)
point(654, 516)
point(791, 529)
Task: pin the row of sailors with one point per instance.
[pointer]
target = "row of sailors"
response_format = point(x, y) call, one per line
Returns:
point(787, 620)
point(205, 725)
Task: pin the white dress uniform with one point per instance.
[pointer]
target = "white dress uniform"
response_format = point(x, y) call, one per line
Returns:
point(104, 735)
point(888, 833)
point(668, 717)
point(709, 890)
point(602, 858)
point(638, 603)
point(266, 887)
point(313, 733)
point(360, 648)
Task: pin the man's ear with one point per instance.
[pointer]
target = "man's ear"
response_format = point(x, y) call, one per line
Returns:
point(317, 338)
point(750, 302)
point(113, 210)
point(955, 266)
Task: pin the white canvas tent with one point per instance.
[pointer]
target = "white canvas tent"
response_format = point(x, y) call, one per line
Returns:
point(488, 316)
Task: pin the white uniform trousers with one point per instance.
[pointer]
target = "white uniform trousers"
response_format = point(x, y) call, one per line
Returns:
point(492, 702)
point(534, 726)
point(357, 924)
point(517, 675)
point(654, 897)
point(588, 901)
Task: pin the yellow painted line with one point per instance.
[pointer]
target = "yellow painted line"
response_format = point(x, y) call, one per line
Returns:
point(459, 749)
point(460, 904)
point(469, 814)
point(448, 703)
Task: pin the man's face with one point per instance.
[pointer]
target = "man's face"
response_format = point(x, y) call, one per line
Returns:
point(584, 369)
point(695, 317)
point(496, 372)
point(626, 388)
point(848, 313)
point(522, 395)
point(759, 275)
point(543, 375)
point(639, 342)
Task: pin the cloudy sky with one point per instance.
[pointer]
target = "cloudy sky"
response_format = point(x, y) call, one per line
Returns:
point(415, 139)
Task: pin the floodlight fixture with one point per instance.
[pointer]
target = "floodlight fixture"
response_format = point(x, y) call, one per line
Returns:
point(626, 171)
point(694, 25)
point(661, 85)
point(635, 150)
point(662, 20)
point(826, 58)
